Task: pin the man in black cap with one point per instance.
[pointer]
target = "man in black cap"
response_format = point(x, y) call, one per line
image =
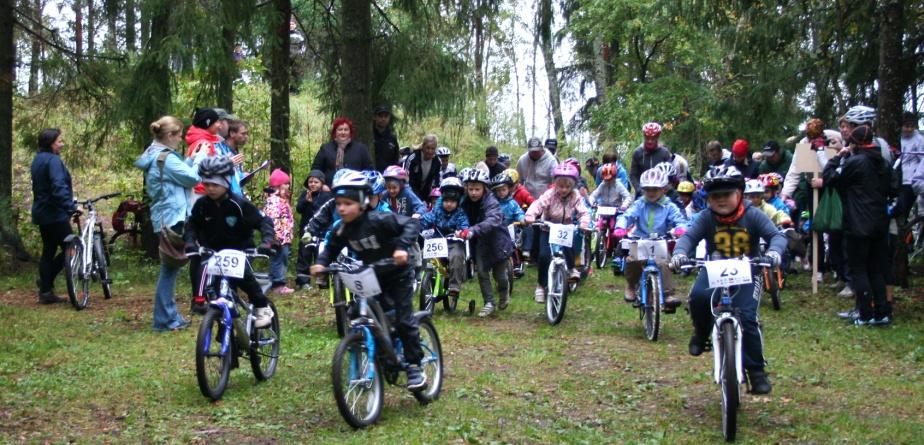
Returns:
point(776, 160)
point(551, 145)
point(386, 144)
point(490, 163)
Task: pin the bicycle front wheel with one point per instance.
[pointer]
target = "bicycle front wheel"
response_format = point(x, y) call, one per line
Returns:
point(558, 293)
point(729, 377)
point(652, 308)
point(774, 277)
point(600, 252)
point(101, 257)
point(78, 284)
point(264, 348)
point(431, 363)
point(212, 367)
point(426, 292)
point(342, 318)
point(358, 387)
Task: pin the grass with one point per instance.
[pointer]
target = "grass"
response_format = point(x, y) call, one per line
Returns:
point(102, 375)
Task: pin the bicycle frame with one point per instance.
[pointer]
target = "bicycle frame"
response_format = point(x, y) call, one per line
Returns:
point(651, 267)
point(724, 314)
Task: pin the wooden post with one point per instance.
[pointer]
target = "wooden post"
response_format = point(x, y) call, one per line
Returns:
point(806, 161)
point(814, 240)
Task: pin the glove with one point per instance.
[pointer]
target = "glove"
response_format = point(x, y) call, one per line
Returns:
point(679, 231)
point(191, 251)
point(619, 233)
point(427, 234)
point(774, 257)
point(465, 234)
point(790, 203)
point(266, 249)
point(679, 260)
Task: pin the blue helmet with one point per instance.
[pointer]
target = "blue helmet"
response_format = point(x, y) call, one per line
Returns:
point(376, 180)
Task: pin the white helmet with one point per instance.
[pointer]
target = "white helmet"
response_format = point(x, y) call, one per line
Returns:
point(654, 177)
point(443, 151)
point(860, 114)
point(667, 168)
point(753, 186)
point(475, 175)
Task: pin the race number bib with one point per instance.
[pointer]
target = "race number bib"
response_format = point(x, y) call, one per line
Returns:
point(364, 283)
point(724, 273)
point(227, 263)
point(606, 211)
point(435, 248)
point(652, 249)
point(561, 234)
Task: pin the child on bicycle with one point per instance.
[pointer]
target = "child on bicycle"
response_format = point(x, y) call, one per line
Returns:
point(731, 228)
point(610, 193)
point(310, 201)
point(501, 185)
point(493, 246)
point(772, 183)
point(223, 220)
point(446, 219)
point(754, 192)
point(401, 198)
point(560, 204)
point(519, 192)
point(654, 214)
point(279, 210)
point(375, 236)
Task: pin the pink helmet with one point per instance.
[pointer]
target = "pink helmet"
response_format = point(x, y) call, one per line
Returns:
point(435, 193)
point(395, 172)
point(651, 129)
point(565, 170)
point(574, 162)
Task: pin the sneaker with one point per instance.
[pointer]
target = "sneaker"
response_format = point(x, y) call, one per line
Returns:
point(283, 290)
point(836, 285)
point(416, 379)
point(488, 309)
point(697, 345)
point(454, 292)
point(851, 315)
point(49, 298)
point(540, 295)
point(305, 287)
point(847, 292)
point(671, 303)
point(575, 275)
point(262, 316)
point(861, 322)
point(630, 296)
point(882, 322)
point(760, 382)
point(504, 301)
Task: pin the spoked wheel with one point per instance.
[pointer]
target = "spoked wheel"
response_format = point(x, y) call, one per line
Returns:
point(451, 303)
point(510, 277)
point(652, 310)
point(431, 363)
point(426, 295)
point(588, 255)
point(358, 387)
point(101, 257)
point(78, 284)
point(264, 348)
point(600, 250)
point(558, 294)
point(213, 367)
point(342, 318)
point(729, 377)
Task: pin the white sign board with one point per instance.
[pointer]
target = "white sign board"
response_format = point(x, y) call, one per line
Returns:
point(655, 250)
point(435, 248)
point(364, 283)
point(606, 211)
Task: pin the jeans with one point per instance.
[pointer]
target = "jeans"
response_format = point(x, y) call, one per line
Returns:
point(868, 257)
point(744, 298)
point(52, 260)
point(279, 265)
point(166, 316)
point(545, 257)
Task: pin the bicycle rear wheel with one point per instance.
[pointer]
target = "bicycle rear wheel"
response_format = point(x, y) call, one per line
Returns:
point(358, 387)
point(102, 264)
point(264, 348)
point(78, 285)
point(212, 367)
point(558, 293)
point(729, 375)
point(773, 276)
point(652, 308)
point(431, 363)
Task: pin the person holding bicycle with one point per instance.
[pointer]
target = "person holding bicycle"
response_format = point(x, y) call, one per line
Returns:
point(374, 236)
point(224, 220)
point(732, 228)
point(447, 218)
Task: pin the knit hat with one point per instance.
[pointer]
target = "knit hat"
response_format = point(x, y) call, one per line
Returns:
point(862, 137)
point(740, 148)
point(204, 118)
point(278, 177)
point(491, 151)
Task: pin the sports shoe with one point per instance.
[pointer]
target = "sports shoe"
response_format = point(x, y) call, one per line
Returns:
point(630, 296)
point(836, 285)
point(283, 290)
point(305, 287)
point(199, 306)
point(671, 303)
point(847, 292)
point(760, 383)
point(862, 322)
point(851, 315)
point(262, 316)
point(504, 301)
point(488, 309)
point(540, 295)
point(49, 298)
point(882, 322)
point(697, 345)
point(416, 379)
point(575, 275)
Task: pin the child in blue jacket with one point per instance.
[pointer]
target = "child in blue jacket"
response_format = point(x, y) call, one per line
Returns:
point(502, 184)
point(445, 219)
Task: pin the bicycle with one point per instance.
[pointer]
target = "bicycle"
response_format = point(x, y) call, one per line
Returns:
point(434, 283)
point(650, 288)
point(86, 258)
point(227, 330)
point(518, 266)
point(605, 243)
point(372, 351)
point(340, 297)
point(773, 280)
point(727, 335)
point(560, 236)
point(127, 220)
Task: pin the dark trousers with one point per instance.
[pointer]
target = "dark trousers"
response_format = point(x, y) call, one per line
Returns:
point(248, 284)
point(52, 260)
point(868, 258)
point(195, 275)
point(397, 295)
point(836, 256)
point(306, 257)
point(545, 257)
point(746, 299)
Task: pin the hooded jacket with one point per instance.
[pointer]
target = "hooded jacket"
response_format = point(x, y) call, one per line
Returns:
point(200, 141)
point(443, 221)
point(511, 210)
point(406, 203)
point(643, 159)
point(228, 223)
point(536, 175)
point(52, 190)
point(863, 181)
point(493, 243)
point(308, 208)
point(373, 236)
point(169, 193)
point(612, 193)
point(554, 209)
point(652, 217)
point(522, 196)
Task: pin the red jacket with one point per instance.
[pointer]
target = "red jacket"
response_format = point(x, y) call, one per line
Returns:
point(198, 139)
point(522, 196)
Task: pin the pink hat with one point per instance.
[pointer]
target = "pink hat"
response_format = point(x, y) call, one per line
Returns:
point(278, 177)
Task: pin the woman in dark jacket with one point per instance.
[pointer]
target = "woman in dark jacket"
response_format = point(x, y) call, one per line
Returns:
point(52, 207)
point(342, 151)
point(862, 178)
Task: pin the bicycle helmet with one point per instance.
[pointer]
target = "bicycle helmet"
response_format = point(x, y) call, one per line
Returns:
point(514, 175)
point(575, 163)
point(651, 129)
point(376, 181)
point(476, 175)
point(723, 178)
point(753, 186)
point(667, 168)
point(771, 180)
point(451, 189)
point(465, 173)
point(608, 171)
point(443, 151)
point(565, 170)
point(501, 179)
point(504, 158)
point(653, 178)
point(450, 171)
point(686, 187)
point(352, 185)
point(216, 166)
point(860, 114)
point(395, 173)
point(435, 193)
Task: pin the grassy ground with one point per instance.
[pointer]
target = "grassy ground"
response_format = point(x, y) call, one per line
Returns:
point(102, 375)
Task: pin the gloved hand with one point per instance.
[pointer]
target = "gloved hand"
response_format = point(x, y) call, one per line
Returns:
point(426, 234)
point(775, 259)
point(465, 234)
point(191, 251)
point(790, 203)
point(679, 231)
point(619, 233)
point(679, 260)
point(266, 249)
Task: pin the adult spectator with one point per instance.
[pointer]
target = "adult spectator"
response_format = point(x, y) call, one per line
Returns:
point(385, 142)
point(912, 151)
point(423, 168)
point(741, 159)
point(862, 177)
point(238, 136)
point(168, 179)
point(648, 154)
point(52, 207)
point(776, 160)
point(593, 164)
point(715, 156)
point(490, 163)
point(681, 166)
point(342, 151)
point(201, 139)
point(551, 145)
point(535, 168)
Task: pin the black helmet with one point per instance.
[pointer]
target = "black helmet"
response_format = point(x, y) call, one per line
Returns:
point(723, 178)
point(501, 179)
point(216, 166)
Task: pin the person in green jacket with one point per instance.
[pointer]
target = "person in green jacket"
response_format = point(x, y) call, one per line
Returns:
point(776, 160)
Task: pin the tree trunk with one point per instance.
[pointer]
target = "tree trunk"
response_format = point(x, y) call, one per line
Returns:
point(356, 66)
point(891, 81)
point(279, 84)
point(9, 235)
point(551, 72)
point(145, 25)
point(36, 54)
point(130, 26)
point(112, 23)
point(78, 30)
point(91, 27)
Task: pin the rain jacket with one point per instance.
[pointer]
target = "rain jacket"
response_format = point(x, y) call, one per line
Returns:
point(511, 210)
point(52, 189)
point(493, 243)
point(444, 222)
point(651, 217)
point(554, 209)
point(406, 203)
point(169, 193)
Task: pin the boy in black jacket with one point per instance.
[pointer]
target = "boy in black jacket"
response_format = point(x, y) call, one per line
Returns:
point(222, 220)
point(374, 236)
point(311, 199)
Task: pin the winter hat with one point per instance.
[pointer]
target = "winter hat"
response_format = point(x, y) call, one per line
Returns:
point(278, 177)
point(740, 148)
point(551, 144)
point(491, 151)
point(204, 118)
point(862, 137)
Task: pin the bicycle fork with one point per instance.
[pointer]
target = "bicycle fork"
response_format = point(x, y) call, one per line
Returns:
point(717, 346)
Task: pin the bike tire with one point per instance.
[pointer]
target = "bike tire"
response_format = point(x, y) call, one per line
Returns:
point(102, 265)
point(558, 280)
point(729, 377)
point(263, 360)
point(213, 369)
point(351, 356)
point(431, 364)
point(426, 297)
point(78, 288)
point(600, 251)
point(774, 283)
point(652, 308)
point(341, 309)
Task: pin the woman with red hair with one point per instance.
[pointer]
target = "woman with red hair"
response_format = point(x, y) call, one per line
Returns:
point(342, 151)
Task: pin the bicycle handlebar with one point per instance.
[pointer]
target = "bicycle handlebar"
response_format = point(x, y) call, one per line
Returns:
point(98, 198)
point(548, 224)
point(759, 262)
point(205, 252)
point(339, 267)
